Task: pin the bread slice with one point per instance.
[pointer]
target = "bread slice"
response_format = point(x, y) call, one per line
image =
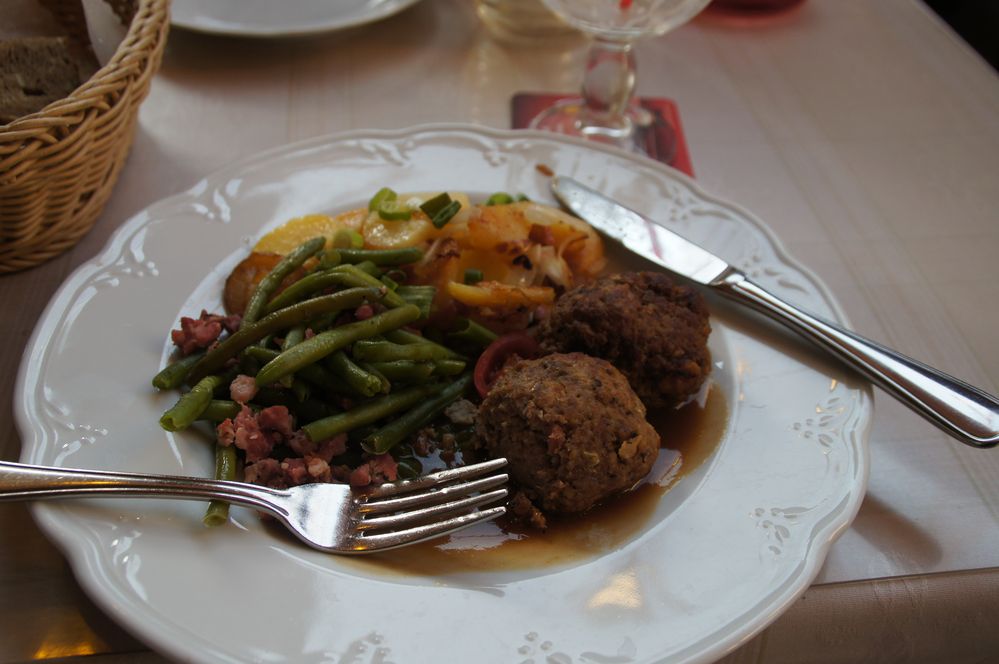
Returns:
point(34, 72)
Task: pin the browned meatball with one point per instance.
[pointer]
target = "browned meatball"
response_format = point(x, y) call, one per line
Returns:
point(652, 329)
point(571, 428)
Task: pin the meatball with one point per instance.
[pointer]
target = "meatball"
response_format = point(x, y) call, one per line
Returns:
point(652, 329)
point(571, 428)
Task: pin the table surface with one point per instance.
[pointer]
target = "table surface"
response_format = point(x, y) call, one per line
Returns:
point(865, 133)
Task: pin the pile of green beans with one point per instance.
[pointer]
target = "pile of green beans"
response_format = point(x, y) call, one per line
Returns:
point(301, 354)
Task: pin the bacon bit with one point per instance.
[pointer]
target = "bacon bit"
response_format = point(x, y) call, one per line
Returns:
point(364, 312)
point(318, 469)
point(546, 170)
point(202, 332)
point(385, 467)
point(266, 472)
point(376, 470)
point(242, 389)
point(361, 476)
point(302, 445)
point(225, 432)
point(295, 471)
point(255, 434)
point(332, 447)
point(276, 419)
point(542, 235)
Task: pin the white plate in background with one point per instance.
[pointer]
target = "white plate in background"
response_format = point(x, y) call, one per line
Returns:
point(280, 18)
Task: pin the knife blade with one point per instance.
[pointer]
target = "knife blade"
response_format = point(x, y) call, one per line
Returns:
point(637, 233)
point(961, 410)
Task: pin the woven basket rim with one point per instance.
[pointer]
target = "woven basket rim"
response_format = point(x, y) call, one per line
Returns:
point(137, 28)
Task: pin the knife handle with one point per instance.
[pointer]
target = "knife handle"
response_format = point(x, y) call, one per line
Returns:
point(963, 411)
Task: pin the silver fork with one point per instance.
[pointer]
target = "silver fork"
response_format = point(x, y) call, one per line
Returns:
point(329, 517)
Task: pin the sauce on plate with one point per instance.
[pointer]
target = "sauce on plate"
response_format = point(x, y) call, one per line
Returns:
point(689, 437)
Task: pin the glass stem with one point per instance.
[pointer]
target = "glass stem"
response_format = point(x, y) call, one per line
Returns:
point(608, 85)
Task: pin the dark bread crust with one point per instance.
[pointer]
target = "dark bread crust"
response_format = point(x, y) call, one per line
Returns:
point(36, 71)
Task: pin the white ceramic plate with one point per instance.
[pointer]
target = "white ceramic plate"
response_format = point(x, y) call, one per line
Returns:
point(721, 556)
point(284, 18)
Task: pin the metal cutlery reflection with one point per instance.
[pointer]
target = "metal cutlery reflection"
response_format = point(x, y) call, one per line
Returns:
point(328, 517)
point(963, 411)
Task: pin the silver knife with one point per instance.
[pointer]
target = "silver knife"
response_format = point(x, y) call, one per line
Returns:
point(963, 411)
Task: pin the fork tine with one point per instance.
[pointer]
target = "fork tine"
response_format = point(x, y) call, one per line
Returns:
point(436, 479)
point(370, 543)
point(434, 512)
point(431, 496)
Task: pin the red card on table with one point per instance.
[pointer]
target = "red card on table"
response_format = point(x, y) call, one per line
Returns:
point(664, 137)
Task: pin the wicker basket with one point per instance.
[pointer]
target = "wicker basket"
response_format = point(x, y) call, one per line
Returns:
point(57, 166)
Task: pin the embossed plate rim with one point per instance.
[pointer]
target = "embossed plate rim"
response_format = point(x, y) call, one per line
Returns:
point(113, 546)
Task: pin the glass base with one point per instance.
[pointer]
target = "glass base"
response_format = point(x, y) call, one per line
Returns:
point(637, 130)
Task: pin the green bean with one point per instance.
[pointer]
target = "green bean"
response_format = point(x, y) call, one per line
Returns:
point(280, 320)
point(363, 382)
point(449, 367)
point(471, 333)
point(272, 281)
point(382, 257)
point(225, 469)
point(301, 390)
point(295, 335)
point(190, 405)
point(386, 384)
point(400, 428)
point(405, 371)
point(421, 296)
point(323, 344)
point(318, 281)
point(220, 409)
point(174, 374)
point(386, 351)
point(313, 373)
point(330, 258)
point(407, 337)
point(368, 268)
point(368, 412)
point(359, 277)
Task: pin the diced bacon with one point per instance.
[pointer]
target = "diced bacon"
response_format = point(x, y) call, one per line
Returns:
point(319, 470)
point(385, 467)
point(277, 419)
point(243, 388)
point(295, 471)
point(364, 312)
point(376, 470)
point(266, 472)
point(202, 332)
point(332, 447)
point(361, 476)
point(256, 434)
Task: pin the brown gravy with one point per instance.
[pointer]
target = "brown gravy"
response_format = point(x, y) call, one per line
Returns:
point(690, 435)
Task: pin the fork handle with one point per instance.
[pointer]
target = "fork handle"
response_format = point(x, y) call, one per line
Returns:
point(962, 410)
point(29, 482)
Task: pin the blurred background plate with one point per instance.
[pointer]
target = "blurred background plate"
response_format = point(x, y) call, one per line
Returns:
point(266, 18)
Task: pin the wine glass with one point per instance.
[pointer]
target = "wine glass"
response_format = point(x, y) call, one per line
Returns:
point(606, 111)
